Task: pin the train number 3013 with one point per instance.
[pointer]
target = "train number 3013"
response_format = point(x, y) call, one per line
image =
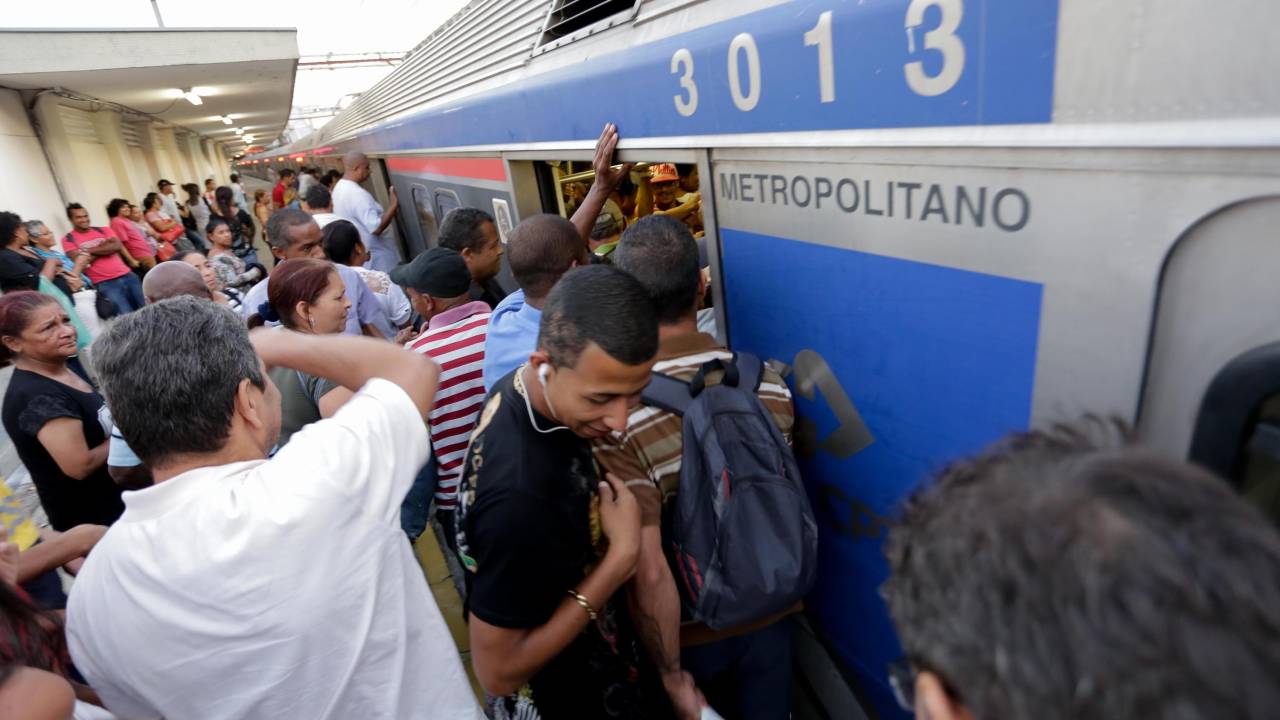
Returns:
point(743, 53)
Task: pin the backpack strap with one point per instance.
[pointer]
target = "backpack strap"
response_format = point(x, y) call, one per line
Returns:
point(750, 370)
point(667, 393)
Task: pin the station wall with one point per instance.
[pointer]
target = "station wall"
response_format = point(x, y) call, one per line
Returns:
point(90, 155)
point(26, 186)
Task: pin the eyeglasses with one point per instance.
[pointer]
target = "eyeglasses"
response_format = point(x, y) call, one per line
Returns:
point(902, 678)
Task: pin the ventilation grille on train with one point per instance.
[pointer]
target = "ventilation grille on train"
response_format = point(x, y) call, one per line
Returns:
point(569, 16)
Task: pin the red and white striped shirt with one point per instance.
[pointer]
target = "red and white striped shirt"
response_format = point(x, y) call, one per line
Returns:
point(455, 340)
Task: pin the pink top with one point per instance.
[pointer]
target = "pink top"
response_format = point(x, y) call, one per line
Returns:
point(103, 267)
point(133, 240)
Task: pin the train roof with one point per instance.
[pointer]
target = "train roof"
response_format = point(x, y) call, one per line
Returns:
point(496, 74)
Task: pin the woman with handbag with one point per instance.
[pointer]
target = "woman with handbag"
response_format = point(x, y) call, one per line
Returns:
point(120, 211)
point(168, 230)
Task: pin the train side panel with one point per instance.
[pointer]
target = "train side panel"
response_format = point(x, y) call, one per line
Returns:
point(928, 305)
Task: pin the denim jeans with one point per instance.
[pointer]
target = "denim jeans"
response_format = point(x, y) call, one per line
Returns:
point(125, 291)
point(747, 677)
point(417, 503)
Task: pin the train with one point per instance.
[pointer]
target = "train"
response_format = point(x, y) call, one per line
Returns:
point(947, 219)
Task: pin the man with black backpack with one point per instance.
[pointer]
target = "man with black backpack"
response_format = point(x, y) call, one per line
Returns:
point(716, 427)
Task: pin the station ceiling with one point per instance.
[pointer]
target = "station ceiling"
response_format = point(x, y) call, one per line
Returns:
point(244, 74)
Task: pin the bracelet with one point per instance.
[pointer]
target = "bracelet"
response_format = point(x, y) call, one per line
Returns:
point(582, 600)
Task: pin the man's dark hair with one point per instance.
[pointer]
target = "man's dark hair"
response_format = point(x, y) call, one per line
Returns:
point(286, 172)
point(460, 229)
point(235, 177)
point(540, 250)
point(281, 225)
point(1062, 575)
point(318, 197)
point(661, 253)
point(113, 207)
point(602, 305)
point(340, 241)
point(73, 206)
point(170, 373)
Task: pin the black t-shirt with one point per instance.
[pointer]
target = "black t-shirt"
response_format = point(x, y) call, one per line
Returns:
point(527, 537)
point(33, 400)
point(22, 272)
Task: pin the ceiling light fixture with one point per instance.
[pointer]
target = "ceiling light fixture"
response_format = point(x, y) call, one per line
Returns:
point(192, 97)
point(226, 119)
point(239, 131)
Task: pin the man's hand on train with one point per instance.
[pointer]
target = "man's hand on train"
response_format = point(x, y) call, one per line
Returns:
point(607, 176)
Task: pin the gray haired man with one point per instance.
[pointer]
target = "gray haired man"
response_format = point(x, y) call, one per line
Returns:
point(240, 586)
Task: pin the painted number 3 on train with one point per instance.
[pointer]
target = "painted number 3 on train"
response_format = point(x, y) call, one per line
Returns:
point(744, 55)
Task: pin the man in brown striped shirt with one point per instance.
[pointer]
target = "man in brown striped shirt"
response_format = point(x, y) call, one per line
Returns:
point(745, 672)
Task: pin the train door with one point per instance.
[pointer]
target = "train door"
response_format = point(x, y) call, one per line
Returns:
point(1212, 389)
point(823, 687)
point(672, 181)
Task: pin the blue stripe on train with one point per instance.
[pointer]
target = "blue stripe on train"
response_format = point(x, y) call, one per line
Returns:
point(1007, 77)
point(939, 362)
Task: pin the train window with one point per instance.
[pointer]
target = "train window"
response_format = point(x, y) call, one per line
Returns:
point(446, 200)
point(652, 188)
point(570, 19)
point(425, 214)
point(662, 188)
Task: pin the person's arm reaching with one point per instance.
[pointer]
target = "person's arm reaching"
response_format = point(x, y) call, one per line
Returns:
point(607, 179)
point(350, 361)
point(680, 212)
point(655, 605)
point(390, 213)
point(57, 549)
point(505, 658)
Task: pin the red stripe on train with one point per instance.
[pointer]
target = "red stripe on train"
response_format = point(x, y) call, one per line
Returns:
point(475, 168)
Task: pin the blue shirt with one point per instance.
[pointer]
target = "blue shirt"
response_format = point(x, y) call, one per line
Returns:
point(67, 263)
point(365, 308)
point(511, 336)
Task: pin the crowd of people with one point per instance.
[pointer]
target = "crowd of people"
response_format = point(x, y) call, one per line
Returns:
point(236, 470)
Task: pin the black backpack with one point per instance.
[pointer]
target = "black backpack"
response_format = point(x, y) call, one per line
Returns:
point(743, 541)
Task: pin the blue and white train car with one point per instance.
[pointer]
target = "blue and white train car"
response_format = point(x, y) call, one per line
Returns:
point(950, 218)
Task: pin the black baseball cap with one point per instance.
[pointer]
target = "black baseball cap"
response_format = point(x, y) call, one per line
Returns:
point(438, 272)
point(162, 183)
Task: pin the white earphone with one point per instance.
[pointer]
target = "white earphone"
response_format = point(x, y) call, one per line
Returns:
point(542, 380)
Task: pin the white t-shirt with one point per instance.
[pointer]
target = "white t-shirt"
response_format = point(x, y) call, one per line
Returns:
point(279, 588)
point(354, 203)
point(323, 219)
